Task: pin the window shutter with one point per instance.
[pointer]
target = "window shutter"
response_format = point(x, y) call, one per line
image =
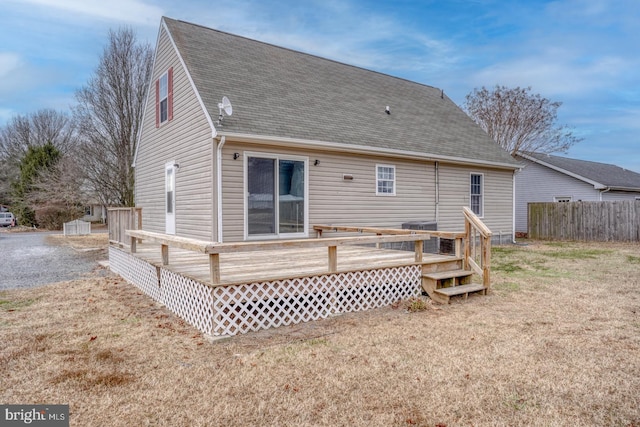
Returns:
point(170, 93)
point(158, 103)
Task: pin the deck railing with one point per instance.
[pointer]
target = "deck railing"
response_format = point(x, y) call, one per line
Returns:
point(477, 246)
point(473, 246)
point(120, 220)
point(215, 249)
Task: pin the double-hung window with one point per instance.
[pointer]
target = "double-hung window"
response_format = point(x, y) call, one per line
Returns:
point(385, 180)
point(477, 194)
point(164, 98)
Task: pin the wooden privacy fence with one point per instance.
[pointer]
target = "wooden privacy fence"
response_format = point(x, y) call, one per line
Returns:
point(617, 221)
point(121, 219)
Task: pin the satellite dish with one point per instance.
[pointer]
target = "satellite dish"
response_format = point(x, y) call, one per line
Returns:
point(225, 106)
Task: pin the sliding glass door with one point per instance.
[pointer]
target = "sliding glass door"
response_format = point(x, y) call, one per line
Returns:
point(276, 196)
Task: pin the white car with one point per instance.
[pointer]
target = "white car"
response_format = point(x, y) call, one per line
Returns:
point(7, 219)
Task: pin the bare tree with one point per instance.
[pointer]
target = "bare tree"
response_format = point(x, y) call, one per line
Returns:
point(109, 114)
point(519, 120)
point(58, 193)
point(33, 130)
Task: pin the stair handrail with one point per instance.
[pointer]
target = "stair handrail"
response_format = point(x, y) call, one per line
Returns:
point(477, 231)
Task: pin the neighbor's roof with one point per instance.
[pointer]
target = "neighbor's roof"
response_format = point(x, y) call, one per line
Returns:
point(279, 92)
point(601, 175)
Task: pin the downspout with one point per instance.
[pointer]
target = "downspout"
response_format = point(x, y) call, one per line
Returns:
point(219, 185)
point(437, 191)
point(606, 190)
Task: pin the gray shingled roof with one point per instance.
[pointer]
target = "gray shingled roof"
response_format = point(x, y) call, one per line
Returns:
point(607, 175)
point(279, 92)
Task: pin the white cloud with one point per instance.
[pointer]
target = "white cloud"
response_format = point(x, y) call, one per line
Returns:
point(131, 11)
point(9, 62)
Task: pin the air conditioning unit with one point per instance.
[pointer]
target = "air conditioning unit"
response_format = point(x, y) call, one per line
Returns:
point(431, 245)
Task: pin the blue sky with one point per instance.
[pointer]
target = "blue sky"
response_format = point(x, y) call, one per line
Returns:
point(583, 53)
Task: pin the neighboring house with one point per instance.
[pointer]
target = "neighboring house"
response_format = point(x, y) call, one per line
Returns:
point(310, 141)
point(547, 178)
point(95, 212)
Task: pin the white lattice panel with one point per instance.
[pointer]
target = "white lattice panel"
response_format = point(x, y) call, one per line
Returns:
point(136, 271)
point(189, 299)
point(250, 307)
point(364, 290)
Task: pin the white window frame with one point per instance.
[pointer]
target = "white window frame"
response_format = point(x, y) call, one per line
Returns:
point(471, 195)
point(379, 180)
point(277, 157)
point(163, 97)
point(562, 199)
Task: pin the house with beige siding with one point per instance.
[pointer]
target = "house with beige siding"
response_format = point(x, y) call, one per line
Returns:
point(308, 141)
point(549, 178)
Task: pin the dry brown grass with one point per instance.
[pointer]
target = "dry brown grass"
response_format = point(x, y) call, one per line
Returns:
point(91, 241)
point(557, 343)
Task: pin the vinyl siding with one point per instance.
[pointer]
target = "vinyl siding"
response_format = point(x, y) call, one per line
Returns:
point(186, 140)
point(537, 183)
point(333, 200)
point(619, 195)
point(497, 194)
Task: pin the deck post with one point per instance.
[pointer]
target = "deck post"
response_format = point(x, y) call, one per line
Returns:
point(333, 259)
point(139, 212)
point(133, 247)
point(486, 262)
point(214, 268)
point(165, 254)
point(458, 248)
point(418, 247)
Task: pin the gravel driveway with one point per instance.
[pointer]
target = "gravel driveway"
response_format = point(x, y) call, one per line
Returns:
point(27, 260)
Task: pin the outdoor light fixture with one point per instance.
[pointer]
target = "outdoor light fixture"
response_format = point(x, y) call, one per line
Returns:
point(316, 163)
point(235, 156)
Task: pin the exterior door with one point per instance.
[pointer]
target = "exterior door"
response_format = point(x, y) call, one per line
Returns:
point(170, 198)
point(276, 196)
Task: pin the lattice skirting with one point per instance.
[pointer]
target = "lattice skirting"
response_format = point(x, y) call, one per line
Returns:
point(230, 310)
point(187, 298)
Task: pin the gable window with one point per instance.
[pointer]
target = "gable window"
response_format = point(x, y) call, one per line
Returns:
point(476, 192)
point(385, 180)
point(164, 98)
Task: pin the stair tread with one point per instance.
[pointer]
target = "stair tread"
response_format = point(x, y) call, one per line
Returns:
point(447, 274)
point(462, 289)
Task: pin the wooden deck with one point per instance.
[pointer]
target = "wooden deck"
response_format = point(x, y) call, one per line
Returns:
point(228, 288)
point(248, 267)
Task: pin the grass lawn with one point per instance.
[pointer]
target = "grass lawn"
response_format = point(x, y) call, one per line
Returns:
point(556, 343)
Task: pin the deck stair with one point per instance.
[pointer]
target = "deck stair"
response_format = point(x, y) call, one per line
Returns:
point(442, 285)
